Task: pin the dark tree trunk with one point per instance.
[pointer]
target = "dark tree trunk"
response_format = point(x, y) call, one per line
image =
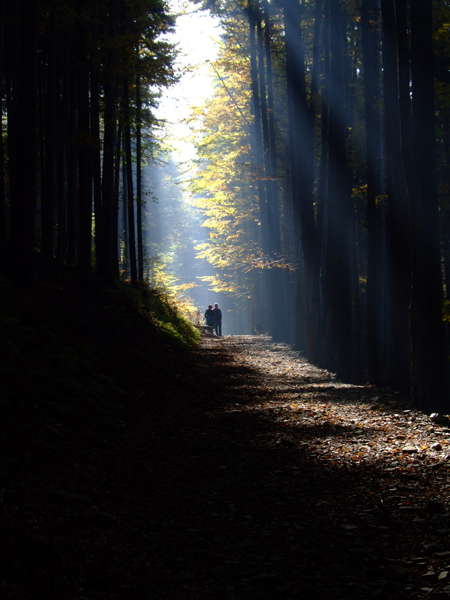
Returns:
point(18, 261)
point(106, 219)
point(140, 243)
point(315, 322)
point(129, 186)
point(280, 280)
point(315, 308)
point(3, 228)
point(84, 144)
point(275, 275)
point(63, 148)
point(115, 201)
point(337, 290)
point(301, 150)
point(125, 252)
point(72, 179)
point(48, 194)
point(272, 150)
point(257, 151)
point(427, 334)
point(257, 145)
point(398, 218)
point(376, 349)
point(96, 137)
point(10, 72)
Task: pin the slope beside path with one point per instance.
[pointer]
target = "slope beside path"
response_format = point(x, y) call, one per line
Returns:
point(249, 474)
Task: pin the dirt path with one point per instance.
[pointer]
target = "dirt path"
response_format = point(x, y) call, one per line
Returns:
point(292, 485)
point(253, 476)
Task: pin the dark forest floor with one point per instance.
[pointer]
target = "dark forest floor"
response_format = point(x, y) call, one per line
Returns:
point(238, 472)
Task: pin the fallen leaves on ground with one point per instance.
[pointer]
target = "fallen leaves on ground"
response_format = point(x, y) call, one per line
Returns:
point(250, 474)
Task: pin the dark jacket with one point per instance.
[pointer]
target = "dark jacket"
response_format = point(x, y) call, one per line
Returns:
point(209, 316)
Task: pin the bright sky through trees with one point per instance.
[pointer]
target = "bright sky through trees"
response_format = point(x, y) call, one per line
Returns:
point(196, 36)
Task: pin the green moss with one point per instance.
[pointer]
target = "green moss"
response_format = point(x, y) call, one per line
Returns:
point(162, 309)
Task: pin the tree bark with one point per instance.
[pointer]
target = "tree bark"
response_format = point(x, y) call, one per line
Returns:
point(18, 260)
point(129, 184)
point(427, 333)
point(3, 228)
point(140, 243)
point(106, 219)
point(48, 195)
point(376, 350)
point(338, 308)
point(301, 151)
point(84, 147)
point(398, 218)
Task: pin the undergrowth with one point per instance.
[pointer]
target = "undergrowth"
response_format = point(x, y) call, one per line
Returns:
point(164, 313)
point(66, 351)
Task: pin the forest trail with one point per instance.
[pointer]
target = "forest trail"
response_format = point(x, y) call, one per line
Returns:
point(253, 475)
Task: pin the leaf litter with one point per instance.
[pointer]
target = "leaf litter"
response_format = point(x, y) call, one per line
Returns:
point(250, 475)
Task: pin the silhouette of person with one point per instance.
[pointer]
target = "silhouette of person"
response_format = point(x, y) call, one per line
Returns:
point(209, 316)
point(217, 319)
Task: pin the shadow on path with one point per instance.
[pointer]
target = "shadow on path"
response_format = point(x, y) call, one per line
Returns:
point(250, 475)
point(243, 508)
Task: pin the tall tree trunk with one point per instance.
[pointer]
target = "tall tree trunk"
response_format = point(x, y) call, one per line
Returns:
point(427, 339)
point(257, 140)
point(125, 253)
point(18, 260)
point(116, 202)
point(72, 179)
point(264, 125)
point(280, 281)
point(338, 304)
point(398, 218)
point(130, 194)
point(257, 150)
point(106, 219)
point(315, 307)
point(84, 143)
point(48, 194)
point(272, 150)
point(315, 321)
point(375, 207)
point(279, 312)
point(63, 148)
point(3, 228)
point(96, 138)
point(301, 147)
point(140, 243)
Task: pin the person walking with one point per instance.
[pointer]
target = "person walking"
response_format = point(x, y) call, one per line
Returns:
point(209, 316)
point(217, 319)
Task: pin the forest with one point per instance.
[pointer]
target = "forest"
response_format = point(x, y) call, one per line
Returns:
point(318, 208)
